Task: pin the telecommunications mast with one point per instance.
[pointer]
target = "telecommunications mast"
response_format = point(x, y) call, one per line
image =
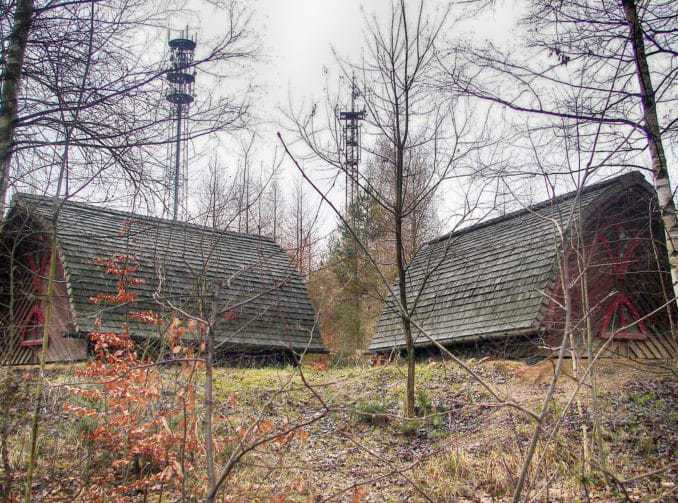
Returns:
point(180, 76)
point(351, 126)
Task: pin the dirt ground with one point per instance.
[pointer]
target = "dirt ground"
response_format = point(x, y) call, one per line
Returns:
point(616, 444)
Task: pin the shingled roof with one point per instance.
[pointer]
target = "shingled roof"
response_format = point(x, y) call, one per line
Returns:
point(488, 280)
point(178, 260)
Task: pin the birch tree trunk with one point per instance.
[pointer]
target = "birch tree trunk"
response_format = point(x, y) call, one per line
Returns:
point(11, 79)
point(660, 172)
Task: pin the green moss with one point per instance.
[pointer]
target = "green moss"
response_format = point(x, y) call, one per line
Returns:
point(643, 399)
point(410, 427)
point(375, 412)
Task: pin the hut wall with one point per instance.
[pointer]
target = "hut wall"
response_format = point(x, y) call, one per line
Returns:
point(21, 333)
point(618, 274)
point(61, 346)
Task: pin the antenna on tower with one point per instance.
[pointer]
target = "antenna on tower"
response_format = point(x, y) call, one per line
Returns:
point(351, 143)
point(181, 77)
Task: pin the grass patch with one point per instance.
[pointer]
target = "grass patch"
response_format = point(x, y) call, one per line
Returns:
point(467, 450)
point(374, 412)
point(410, 427)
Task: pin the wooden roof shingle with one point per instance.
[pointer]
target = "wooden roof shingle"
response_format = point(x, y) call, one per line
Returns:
point(184, 264)
point(489, 280)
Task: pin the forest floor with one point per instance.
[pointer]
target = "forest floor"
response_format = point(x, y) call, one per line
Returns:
point(358, 447)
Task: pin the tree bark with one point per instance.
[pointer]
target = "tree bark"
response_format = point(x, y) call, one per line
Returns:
point(402, 286)
point(209, 407)
point(10, 386)
point(11, 79)
point(49, 310)
point(660, 172)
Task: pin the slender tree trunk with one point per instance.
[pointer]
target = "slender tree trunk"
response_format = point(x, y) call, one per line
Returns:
point(209, 406)
point(662, 182)
point(12, 331)
point(402, 287)
point(11, 79)
point(52, 277)
point(247, 197)
point(301, 229)
point(546, 404)
point(10, 384)
point(275, 213)
point(402, 129)
point(595, 426)
point(49, 309)
point(260, 192)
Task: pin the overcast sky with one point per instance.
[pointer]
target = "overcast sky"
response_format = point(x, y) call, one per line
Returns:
point(297, 60)
point(298, 37)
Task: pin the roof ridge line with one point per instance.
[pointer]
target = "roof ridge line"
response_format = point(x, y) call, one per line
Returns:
point(103, 209)
point(633, 175)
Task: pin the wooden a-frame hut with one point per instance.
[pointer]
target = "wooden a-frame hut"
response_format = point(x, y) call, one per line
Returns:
point(180, 265)
point(497, 285)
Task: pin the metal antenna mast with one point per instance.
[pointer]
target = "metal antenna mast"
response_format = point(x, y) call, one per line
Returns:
point(181, 76)
point(351, 144)
point(351, 125)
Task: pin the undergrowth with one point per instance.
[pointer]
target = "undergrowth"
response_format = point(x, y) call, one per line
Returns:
point(456, 449)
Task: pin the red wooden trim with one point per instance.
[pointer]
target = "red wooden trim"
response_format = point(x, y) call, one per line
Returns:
point(31, 343)
point(35, 318)
point(619, 258)
point(623, 336)
point(39, 272)
point(622, 300)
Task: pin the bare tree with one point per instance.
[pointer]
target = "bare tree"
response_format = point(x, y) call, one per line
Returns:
point(585, 64)
point(73, 112)
point(230, 298)
point(233, 199)
point(217, 197)
point(421, 139)
point(299, 229)
point(11, 79)
point(581, 119)
point(115, 119)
